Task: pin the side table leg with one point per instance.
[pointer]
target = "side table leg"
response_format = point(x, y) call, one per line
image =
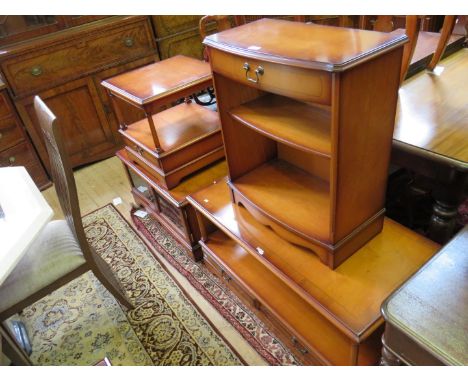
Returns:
point(388, 358)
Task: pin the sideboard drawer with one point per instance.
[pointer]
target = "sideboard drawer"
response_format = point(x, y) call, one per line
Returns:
point(71, 58)
point(298, 83)
point(19, 155)
point(10, 133)
point(4, 107)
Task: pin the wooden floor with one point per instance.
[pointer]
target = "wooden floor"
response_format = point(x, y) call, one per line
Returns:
point(100, 183)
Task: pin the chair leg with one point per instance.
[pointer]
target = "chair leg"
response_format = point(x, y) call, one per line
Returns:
point(447, 28)
point(11, 348)
point(107, 278)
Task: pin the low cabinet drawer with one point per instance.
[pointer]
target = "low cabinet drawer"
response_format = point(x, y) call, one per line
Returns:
point(4, 106)
point(19, 155)
point(10, 133)
point(23, 155)
point(303, 84)
point(46, 67)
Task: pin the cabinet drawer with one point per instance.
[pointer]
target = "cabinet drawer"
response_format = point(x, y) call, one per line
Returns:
point(10, 133)
point(19, 155)
point(298, 83)
point(43, 68)
point(289, 339)
point(23, 155)
point(5, 110)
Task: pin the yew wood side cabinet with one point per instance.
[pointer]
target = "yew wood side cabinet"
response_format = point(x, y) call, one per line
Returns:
point(171, 142)
point(307, 114)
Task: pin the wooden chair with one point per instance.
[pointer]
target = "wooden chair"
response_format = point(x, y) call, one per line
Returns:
point(412, 27)
point(61, 252)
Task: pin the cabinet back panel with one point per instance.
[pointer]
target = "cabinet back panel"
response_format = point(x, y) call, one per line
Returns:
point(313, 164)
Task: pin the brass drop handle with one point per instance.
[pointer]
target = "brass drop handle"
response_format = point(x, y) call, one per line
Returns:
point(258, 72)
point(226, 276)
point(129, 42)
point(1, 135)
point(36, 71)
point(11, 160)
point(296, 343)
point(139, 150)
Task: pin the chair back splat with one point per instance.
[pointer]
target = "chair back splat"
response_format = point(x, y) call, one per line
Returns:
point(65, 186)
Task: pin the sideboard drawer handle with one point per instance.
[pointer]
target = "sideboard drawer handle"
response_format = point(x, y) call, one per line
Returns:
point(1, 135)
point(129, 42)
point(258, 72)
point(11, 160)
point(225, 276)
point(296, 343)
point(36, 71)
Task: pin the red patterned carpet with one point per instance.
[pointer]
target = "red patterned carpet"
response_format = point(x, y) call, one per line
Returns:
point(223, 300)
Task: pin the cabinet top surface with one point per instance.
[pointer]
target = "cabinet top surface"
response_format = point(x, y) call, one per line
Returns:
point(304, 45)
point(352, 293)
point(432, 306)
point(156, 81)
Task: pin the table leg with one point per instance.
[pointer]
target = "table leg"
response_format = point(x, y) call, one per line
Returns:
point(11, 348)
point(448, 196)
point(388, 358)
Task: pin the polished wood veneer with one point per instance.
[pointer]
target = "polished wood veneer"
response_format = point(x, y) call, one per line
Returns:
point(167, 77)
point(333, 314)
point(300, 125)
point(65, 69)
point(304, 45)
point(177, 127)
point(432, 112)
point(171, 142)
point(279, 183)
point(327, 113)
point(170, 207)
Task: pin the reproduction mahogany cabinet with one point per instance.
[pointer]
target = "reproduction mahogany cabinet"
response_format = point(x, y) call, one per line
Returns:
point(307, 114)
point(325, 316)
point(175, 138)
point(65, 68)
point(170, 207)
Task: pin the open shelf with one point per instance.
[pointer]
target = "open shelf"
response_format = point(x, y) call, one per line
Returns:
point(300, 125)
point(177, 126)
point(290, 196)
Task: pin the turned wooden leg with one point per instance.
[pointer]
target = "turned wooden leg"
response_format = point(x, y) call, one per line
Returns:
point(388, 358)
point(443, 221)
point(448, 194)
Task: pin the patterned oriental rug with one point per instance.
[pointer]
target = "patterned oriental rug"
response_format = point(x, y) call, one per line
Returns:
point(222, 299)
point(81, 323)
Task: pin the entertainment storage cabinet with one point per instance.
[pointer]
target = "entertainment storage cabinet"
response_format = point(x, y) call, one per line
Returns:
point(307, 115)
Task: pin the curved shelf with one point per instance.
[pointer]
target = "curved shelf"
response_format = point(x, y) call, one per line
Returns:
point(297, 124)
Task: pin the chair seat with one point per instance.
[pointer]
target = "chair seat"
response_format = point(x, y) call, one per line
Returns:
point(53, 254)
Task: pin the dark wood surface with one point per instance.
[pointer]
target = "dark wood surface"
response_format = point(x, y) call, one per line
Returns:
point(65, 69)
point(426, 318)
point(305, 45)
point(342, 305)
